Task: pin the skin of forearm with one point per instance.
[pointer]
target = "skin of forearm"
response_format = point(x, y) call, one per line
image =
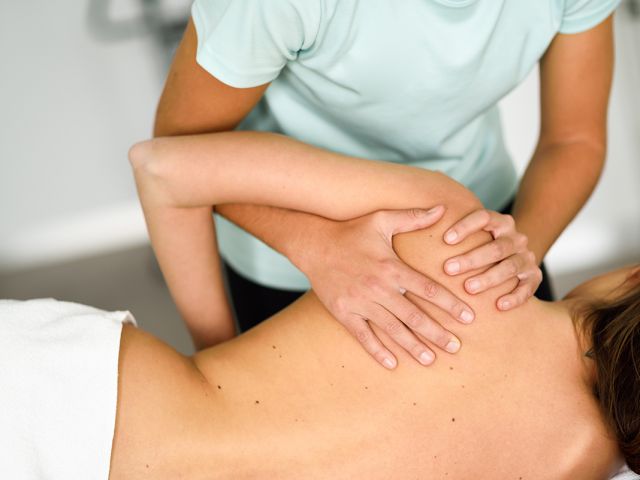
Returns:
point(282, 229)
point(270, 169)
point(555, 186)
point(190, 263)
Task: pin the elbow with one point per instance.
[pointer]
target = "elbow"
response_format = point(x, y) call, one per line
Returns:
point(140, 155)
point(146, 160)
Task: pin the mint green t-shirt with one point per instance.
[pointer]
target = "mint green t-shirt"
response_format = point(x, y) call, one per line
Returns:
point(407, 81)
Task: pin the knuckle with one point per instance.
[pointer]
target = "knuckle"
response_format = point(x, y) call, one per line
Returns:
point(484, 216)
point(415, 213)
point(362, 335)
point(497, 250)
point(387, 266)
point(415, 349)
point(511, 267)
point(431, 289)
point(340, 306)
point(457, 308)
point(373, 283)
point(415, 319)
point(393, 328)
point(440, 337)
point(538, 275)
point(521, 241)
point(509, 220)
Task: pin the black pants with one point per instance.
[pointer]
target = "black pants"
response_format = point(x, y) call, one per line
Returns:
point(253, 302)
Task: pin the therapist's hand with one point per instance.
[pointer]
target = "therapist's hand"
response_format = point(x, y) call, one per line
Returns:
point(508, 253)
point(358, 277)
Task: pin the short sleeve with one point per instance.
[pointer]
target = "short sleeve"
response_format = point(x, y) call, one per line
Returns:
point(245, 43)
point(581, 15)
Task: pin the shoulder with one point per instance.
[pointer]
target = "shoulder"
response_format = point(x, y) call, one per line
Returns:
point(580, 15)
point(274, 15)
point(594, 454)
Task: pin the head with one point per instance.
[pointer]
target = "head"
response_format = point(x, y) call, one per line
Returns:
point(609, 314)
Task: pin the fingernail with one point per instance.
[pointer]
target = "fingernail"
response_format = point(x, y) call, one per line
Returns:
point(466, 316)
point(451, 236)
point(453, 267)
point(426, 358)
point(387, 362)
point(453, 346)
point(506, 304)
point(473, 285)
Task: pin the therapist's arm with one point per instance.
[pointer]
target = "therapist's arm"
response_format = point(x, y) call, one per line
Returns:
point(575, 80)
point(348, 278)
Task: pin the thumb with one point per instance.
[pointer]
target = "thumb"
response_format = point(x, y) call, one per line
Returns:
point(401, 221)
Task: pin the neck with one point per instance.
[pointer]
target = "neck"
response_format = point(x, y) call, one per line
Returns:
point(567, 311)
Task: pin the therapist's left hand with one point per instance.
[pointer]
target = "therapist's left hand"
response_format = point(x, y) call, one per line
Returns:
point(508, 253)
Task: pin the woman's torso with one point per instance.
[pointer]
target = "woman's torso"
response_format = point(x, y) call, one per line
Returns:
point(297, 397)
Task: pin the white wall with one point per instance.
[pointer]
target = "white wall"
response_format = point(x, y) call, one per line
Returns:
point(71, 105)
point(607, 231)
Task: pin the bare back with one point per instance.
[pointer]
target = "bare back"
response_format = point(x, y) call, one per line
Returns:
point(297, 397)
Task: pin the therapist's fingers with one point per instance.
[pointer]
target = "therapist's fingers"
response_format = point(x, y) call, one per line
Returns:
point(392, 222)
point(500, 273)
point(481, 219)
point(435, 293)
point(487, 254)
point(397, 330)
point(527, 286)
point(418, 321)
point(361, 331)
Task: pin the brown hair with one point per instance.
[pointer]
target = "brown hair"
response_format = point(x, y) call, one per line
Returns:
point(615, 332)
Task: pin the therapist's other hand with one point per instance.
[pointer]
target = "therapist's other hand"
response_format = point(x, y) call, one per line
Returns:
point(358, 277)
point(508, 253)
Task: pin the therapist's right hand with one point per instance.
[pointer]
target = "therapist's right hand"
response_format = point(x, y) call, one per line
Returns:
point(358, 277)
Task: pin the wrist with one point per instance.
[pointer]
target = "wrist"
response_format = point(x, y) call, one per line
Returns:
point(307, 241)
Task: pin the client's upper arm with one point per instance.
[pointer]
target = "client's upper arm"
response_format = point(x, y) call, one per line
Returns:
point(270, 169)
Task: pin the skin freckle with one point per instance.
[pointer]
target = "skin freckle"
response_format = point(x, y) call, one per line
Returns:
point(219, 387)
point(414, 404)
point(450, 368)
point(257, 402)
point(147, 465)
point(273, 346)
point(453, 419)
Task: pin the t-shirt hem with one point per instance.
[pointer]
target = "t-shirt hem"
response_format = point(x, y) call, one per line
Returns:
point(589, 22)
point(215, 66)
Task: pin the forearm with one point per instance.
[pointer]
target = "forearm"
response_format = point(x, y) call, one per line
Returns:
point(269, 169)
point(555, 186)
point(282, 229)
point(184, 243)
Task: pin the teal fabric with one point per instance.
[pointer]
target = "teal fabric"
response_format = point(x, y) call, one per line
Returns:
point(409, 81)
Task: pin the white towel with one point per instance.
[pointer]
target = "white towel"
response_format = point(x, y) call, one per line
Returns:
point(58, 389)
point(626, 474)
